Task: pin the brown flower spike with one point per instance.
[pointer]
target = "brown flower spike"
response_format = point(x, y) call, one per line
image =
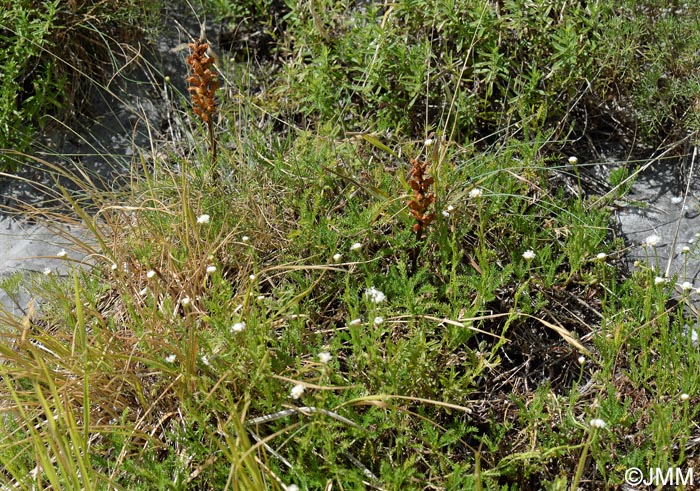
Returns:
point(422, 197)
point(202, 86)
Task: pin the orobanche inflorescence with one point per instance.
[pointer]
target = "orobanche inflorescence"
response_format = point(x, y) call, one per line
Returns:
point(203, 84)
point(422, 196)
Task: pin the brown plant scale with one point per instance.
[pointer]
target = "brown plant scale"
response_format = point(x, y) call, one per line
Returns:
point(203, 84)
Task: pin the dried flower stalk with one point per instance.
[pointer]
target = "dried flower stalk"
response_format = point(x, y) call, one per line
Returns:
point(203, 84)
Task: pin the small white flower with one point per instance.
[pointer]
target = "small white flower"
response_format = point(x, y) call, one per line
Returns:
point(203, 219)
point(529, 255)
point(475, 193)
point(62, 253)
point(374, 295)
point(185, 301)
point(445, 213)
point(113, 267)
point(144, 291)
point(211, 269)
point(687, 285)
point(429, 142)
point(47, 271)
point(245, 238)
point(378, 320)
point(355, 322)
point(297, 391)
point(652, 240)
point(676, 200)
point(573, 160)
point(684, 397)
point(205, 360)
point(291, 487)
point(170, 358)
point(356, 246)
point(238, 327)
point(597, 423)
point(582, 359)
point(450, 208)
point(324, 357)
point(601, 256)
point(660, 279)
point(251, 277)
point(337, 256)
point(150, 274)
point(685, 250)
point(260, 298)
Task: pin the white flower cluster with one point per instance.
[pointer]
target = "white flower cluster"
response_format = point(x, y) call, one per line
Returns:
point(597, 423)
point(529, 255)
point(374, 295)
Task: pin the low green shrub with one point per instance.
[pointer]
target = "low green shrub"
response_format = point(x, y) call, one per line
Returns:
point(27, 89)
point(51, 51)
point(485, 69)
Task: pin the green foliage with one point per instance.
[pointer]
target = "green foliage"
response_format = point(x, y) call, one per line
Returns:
point(49, 51)
point(467, 67)
point(650, 49)
point(244, 11)
point(474, 69)
point(27, 91)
